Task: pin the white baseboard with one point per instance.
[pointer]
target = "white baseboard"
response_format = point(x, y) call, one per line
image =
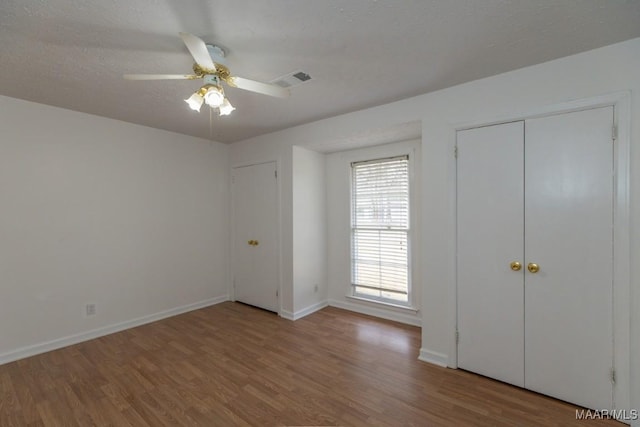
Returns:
point(44, 347)
point(389, 314)
point(433, 357)
point(304, 312)
point(285, 314)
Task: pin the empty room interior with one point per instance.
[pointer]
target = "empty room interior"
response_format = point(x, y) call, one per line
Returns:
point(336, 213)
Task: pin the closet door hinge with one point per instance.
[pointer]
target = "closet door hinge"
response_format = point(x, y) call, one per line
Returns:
point(277, 293)
point(613, 375)
point(614, 132)
point(455, 152)
point(276, 174)
point(457, 336)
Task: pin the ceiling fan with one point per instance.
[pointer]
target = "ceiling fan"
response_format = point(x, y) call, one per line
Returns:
point(210, 67)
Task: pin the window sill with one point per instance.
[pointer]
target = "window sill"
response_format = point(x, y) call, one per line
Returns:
point(385, 304)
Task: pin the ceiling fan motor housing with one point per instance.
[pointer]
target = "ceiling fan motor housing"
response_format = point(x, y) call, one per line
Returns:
point(212, 79)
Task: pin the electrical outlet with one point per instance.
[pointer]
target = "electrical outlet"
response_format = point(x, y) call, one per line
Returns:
point(315, 288)
point(90, 309)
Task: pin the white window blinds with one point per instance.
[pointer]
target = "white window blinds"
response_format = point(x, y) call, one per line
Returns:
point(380, 229)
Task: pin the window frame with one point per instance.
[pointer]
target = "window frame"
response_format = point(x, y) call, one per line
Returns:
point(410, 155)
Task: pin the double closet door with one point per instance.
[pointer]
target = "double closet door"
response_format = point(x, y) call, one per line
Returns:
point(535, 254)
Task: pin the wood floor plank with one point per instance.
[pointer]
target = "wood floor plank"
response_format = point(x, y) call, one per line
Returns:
point(28, 407)
point(234, 365)
point(9, 401)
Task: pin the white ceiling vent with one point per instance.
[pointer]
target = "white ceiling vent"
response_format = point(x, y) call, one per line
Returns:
point(292, 79)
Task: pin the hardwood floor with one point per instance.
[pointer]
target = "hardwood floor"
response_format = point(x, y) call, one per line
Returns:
point(231, 364)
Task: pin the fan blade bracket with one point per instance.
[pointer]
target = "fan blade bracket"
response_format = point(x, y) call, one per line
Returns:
point(219, 70)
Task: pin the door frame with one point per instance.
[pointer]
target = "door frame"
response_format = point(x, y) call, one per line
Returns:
point(622, 303)
point(232, 234)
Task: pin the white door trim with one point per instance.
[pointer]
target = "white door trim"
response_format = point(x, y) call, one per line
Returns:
point(621, 102)
point(232, 234)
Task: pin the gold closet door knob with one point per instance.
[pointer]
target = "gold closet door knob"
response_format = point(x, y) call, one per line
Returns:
point(515, 266)
point(533, 268)
point(251, 242)
point(256, 243)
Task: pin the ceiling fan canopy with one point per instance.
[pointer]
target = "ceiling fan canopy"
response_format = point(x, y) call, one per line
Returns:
point(209, 66)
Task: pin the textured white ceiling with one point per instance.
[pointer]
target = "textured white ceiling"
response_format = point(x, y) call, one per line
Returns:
point(370, 137)
point(360, 53)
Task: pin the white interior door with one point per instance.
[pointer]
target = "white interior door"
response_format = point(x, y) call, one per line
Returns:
point(569, 234)
point(256, 224)
point(490, 199)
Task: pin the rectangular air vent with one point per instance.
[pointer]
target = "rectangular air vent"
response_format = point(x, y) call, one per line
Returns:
point(292, 79)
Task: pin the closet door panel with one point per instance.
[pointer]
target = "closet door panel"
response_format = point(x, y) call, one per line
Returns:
point(490, 237)
point(266, 226)
point(244, 271)
point(568, 229)
point(255, 262)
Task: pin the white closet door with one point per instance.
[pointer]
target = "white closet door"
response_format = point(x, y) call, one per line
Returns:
point(490, 237)
point(569, 222)
point(256, 224)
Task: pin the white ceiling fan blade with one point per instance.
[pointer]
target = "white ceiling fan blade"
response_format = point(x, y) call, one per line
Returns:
point(160, 77)
point(254, 86)
point(198, 50)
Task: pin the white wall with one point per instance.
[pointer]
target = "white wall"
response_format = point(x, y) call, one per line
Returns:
point(339, 229)
point(309, 231)
point(99, 211)
point(597, 72)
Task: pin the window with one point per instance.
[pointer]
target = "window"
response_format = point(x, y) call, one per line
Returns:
point(380, 230)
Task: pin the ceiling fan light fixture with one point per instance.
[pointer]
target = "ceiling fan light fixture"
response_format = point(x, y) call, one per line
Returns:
point(210, 67)
point(226, 108)
point(214, 96)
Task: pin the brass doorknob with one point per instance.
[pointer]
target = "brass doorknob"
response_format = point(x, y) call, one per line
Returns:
point(533, 268)
point(256, 243)
point(515, 266)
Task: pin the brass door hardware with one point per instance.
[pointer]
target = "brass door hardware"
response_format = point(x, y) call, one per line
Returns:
point(253, 242)
point(533, 268)
point(515, 266)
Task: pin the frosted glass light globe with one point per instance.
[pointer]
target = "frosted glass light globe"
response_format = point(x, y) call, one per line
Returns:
point(214, 97)
point(226, 108)
point(195, 101)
